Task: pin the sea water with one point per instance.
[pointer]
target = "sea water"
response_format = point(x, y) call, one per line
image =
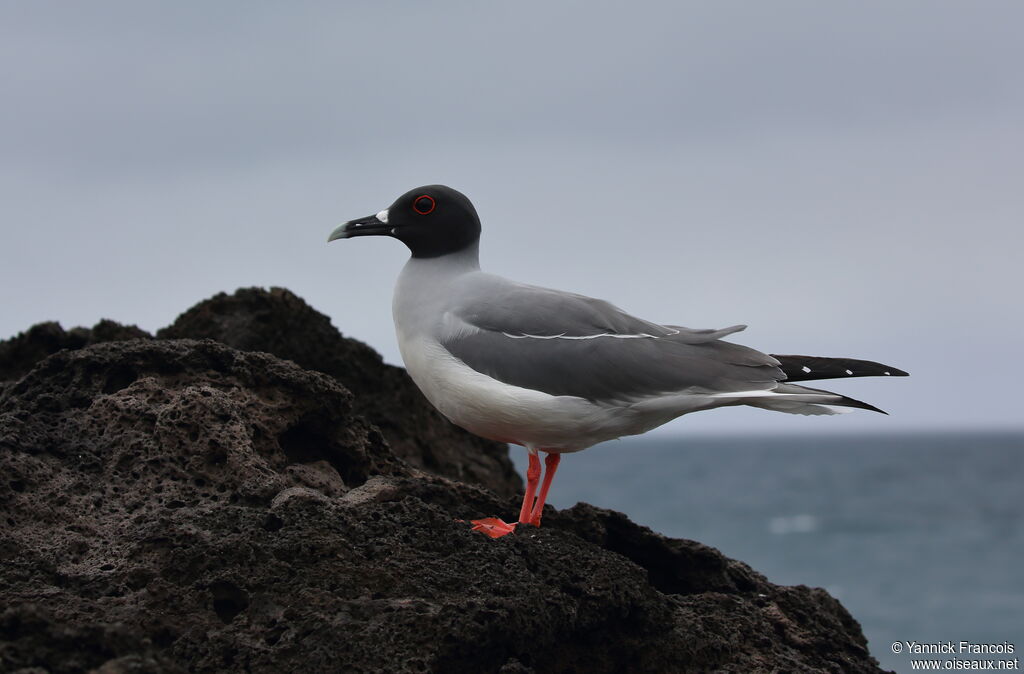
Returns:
point(920, 536)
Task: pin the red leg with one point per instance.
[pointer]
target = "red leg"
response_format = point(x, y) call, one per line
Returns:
point(495, 527)
point(551, 465)
point(532, 478)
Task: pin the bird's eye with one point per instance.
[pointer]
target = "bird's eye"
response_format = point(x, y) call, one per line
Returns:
point(424, 204)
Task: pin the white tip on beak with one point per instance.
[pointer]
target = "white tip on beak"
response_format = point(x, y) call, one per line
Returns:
point(338, 233)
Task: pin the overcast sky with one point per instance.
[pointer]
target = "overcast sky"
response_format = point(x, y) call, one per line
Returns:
point(844, 177)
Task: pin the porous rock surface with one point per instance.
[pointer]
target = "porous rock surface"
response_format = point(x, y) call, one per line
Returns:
point(178, 505)
point(279, 322)
point(20, 353)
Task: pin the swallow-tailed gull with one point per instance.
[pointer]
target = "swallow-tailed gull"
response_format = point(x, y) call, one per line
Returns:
point(558, 372)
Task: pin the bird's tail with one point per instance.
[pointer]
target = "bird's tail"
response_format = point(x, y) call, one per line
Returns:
point(794, 399)
point(810, 368)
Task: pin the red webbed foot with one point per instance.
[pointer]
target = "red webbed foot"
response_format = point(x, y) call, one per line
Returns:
point(493, 527)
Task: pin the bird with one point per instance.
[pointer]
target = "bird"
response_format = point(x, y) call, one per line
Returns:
point(558, 372)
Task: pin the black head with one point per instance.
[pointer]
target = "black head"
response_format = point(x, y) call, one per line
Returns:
point(433, 220)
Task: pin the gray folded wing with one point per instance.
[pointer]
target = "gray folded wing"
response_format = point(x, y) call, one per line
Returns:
point(566, 344)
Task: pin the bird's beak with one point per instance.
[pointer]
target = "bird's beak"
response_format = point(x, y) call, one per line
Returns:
point(368, 226)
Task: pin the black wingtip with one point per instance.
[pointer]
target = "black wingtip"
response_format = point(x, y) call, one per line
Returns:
point(812, 368)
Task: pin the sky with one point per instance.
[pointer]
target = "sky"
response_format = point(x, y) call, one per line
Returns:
point(843, 177)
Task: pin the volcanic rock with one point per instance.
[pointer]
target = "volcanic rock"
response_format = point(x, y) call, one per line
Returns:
point(19, 354)
point(279, 322)
point(178, 505)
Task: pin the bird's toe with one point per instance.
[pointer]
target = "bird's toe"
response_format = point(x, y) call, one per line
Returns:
point(493, 527)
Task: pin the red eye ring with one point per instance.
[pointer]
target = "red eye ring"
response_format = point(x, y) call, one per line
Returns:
point(424, 208)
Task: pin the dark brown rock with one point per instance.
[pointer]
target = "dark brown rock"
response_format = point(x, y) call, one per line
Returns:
point(279, 322)
point(20, 353)
point(180, 505)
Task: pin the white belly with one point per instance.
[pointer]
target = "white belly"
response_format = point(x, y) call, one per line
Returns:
point(499, 411)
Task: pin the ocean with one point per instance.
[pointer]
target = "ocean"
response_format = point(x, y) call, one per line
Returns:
point(920, 536)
